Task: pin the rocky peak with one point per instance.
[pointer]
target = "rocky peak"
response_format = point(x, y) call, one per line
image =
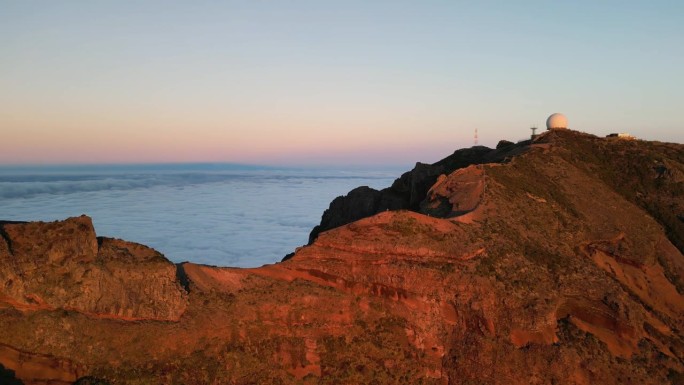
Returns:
point(410, 190)
point(63, 265)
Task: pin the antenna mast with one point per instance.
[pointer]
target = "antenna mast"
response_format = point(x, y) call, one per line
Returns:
point(533, 128)
point(475, 140)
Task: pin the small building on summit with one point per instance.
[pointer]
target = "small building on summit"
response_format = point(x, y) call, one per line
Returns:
point(556, 121)
point(621, 135)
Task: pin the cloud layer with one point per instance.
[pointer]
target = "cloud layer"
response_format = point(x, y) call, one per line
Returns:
point(242, 218)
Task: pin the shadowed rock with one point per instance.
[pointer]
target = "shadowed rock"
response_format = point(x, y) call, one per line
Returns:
point(90, 381)
point(7, 377)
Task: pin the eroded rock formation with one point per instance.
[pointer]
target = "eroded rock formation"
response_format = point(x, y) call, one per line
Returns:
point(559, 265)
point(62, 265)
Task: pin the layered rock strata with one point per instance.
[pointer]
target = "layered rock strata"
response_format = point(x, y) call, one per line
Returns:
point(560, 265)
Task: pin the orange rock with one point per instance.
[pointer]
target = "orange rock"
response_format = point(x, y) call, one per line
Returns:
point(545, 268)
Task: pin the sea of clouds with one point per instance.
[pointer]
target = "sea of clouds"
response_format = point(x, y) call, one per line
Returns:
point(224, 215)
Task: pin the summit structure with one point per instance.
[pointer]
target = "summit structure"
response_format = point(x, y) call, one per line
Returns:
point(556, 121)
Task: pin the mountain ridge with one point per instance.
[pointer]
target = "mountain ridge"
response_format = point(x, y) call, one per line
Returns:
point(557, 262)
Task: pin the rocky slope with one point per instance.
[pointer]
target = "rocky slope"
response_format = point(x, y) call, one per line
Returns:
point(408, 191)
point(556, 261)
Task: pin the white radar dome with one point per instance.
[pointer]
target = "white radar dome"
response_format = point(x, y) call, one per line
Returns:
point(556, 121)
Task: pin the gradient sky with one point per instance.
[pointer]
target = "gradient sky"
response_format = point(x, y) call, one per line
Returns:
point(344, 82)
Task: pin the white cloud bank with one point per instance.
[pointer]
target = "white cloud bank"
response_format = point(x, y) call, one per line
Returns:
point(244, 219)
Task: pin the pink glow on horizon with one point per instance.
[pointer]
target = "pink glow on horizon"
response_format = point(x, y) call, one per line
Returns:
point(51, 149)
point(295, 140)
point(257, 146)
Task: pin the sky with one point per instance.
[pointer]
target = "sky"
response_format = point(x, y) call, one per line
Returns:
point(327, 82)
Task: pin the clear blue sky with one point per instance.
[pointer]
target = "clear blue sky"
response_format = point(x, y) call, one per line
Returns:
point(297, 82)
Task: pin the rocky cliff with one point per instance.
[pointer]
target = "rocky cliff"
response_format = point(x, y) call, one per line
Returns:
point(408, 191)
point(553, 261)
point(63, 265)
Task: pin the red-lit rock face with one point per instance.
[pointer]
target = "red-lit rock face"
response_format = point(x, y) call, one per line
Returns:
point(544, 269)
point(62, 265)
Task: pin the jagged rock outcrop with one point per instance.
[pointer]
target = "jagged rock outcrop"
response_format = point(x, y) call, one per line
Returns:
point(408, 191)
point(360, 202)
point(556, 266)
point(63, 265)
